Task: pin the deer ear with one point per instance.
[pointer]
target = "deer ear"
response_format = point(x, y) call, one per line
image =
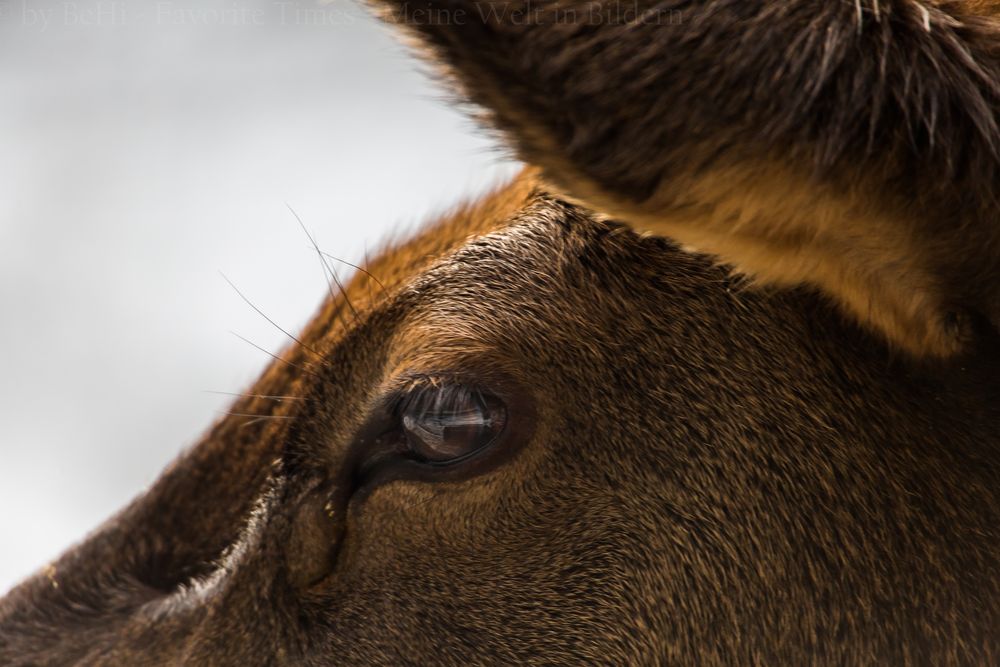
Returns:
point(852, 146)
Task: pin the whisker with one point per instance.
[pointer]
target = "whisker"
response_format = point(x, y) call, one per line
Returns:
point(324, 264)
point(261, 313)
point(274, 356)
point(244, 414)
point(249, 423)
point(371, 299)
point(264, 396)
point(340, 286)
point(355, 266)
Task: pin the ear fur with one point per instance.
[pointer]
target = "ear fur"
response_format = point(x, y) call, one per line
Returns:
point(853, 146)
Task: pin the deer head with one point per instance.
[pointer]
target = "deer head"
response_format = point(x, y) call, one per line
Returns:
point(714, 380)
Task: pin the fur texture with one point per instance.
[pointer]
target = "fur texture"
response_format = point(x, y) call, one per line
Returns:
point(692, 471)
point(848, 145)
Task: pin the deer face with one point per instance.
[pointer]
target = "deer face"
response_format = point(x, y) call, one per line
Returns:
point(532, 434)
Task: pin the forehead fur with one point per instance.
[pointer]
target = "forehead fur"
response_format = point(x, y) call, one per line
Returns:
point(479, 297)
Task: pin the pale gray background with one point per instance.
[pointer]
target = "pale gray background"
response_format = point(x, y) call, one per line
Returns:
point(145, 147)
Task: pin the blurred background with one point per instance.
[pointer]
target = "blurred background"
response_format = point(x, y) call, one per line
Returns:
point(146, 147)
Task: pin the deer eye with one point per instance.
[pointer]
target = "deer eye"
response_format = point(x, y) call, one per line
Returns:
point(443, 425)
point(437, 428)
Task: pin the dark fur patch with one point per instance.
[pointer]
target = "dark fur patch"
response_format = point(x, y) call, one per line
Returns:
point(627, 89)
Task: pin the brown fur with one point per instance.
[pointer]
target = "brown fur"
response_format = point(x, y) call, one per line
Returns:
point(848, 145)
point(693, 472)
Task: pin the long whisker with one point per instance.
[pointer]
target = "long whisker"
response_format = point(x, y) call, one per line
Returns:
point(355, 266)
point(274, 356)
point(340, 286)
point(371, 275)
point(264, 396)
point(244, 414)
point(261, 313)
point(250, 423)
point(324, 263)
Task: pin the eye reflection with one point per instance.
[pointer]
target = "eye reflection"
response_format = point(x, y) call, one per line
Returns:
point(445, 424)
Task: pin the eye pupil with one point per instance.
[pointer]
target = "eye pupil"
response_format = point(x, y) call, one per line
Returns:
point(446, 424)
